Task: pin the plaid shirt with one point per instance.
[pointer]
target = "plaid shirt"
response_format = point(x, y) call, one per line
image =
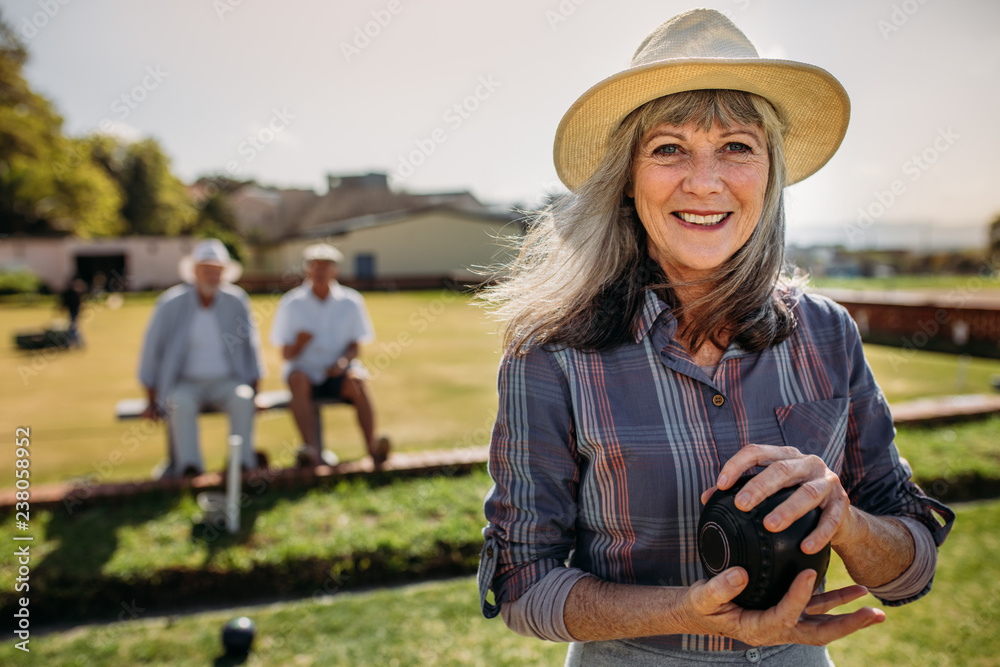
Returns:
point(601, 457)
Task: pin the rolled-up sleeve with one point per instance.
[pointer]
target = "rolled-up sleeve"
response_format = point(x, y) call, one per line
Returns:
point(876, 478)
point(531, 508)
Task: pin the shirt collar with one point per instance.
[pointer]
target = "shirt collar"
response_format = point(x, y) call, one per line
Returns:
point(653, 307)
point(335, 291)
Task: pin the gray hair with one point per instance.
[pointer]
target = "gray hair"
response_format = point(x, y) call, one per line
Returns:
point(579, 278)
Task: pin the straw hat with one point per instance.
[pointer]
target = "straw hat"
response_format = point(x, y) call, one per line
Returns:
point(210, 251)
point(697, 50)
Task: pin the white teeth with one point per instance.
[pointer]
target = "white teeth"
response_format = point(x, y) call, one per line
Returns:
point(701, 219)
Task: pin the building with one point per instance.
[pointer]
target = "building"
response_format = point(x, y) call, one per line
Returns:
point(389, 239)
point(126, 263)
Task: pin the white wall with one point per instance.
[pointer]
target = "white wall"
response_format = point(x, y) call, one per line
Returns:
point(437, 243)
point(150, 261)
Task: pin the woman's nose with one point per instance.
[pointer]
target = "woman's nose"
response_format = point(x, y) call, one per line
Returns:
point(703, 177)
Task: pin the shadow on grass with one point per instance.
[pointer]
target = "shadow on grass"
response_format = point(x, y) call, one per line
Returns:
point(260, 494)
point(98, 572)
point(87, 540)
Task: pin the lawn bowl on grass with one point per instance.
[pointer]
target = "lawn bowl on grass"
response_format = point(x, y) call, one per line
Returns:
point(238, 635)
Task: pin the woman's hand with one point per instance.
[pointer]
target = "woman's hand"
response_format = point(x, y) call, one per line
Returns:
point(787, 466)
point(800, 617)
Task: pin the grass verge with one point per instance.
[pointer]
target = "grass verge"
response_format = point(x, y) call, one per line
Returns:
point(984, 284)
point(956, 462)
point(355, 533)
point(343, 535)
point(439, 623)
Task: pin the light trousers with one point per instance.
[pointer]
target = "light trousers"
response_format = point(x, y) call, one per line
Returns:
point(628, 652)
point(184, 405)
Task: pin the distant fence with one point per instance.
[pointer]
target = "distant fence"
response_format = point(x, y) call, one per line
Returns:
point(953, 323)
point(283, 283)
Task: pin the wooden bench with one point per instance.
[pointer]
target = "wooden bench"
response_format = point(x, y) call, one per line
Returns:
point(278, 399)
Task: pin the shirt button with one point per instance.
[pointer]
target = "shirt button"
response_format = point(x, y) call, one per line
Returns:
point(718, 400)
point(753, 655)
point(489, 552)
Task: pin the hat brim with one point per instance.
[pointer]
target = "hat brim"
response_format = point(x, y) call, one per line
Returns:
point(231, 270)
point(812, 102)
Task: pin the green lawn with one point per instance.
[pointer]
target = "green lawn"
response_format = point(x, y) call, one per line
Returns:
point(908, 376)
point(439, 623)
point(433, 378)
point(433, 367)
point(355, 529)
point(433, 382)
point(948, 452)
point(980, 284)
point(406, 517)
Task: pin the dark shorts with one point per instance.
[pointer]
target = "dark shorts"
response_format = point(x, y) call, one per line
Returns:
point(329, 389)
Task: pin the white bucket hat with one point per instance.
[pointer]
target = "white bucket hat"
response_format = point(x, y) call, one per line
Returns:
point(698, 50)
point(322, 252)
point(210, 251)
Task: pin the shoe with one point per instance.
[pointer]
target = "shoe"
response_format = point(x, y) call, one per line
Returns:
point(262, 462)
point(162, 470)
point(381, 451)
point(307, 457)
point(259, 457)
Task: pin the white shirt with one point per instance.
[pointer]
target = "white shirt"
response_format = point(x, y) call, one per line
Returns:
point(334, 322)
point(206, 358)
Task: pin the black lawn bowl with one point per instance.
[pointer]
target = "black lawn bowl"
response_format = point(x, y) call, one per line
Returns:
point(237, 635)
point(729, 537)
point(41, 340)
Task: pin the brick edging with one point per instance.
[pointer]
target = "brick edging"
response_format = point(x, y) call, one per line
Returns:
point(399, 465)
point(928, 412)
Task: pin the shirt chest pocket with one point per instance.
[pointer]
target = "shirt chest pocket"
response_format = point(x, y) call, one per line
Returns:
point(817, 427)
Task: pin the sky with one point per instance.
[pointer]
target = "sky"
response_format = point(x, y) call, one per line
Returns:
point(448, 95)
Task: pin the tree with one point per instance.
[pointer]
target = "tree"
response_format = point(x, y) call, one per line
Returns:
point(156, 202)
point(216, 218)
point(38, 193)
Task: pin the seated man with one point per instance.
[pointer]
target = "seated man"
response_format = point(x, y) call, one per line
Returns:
point(319, 326)
point(202, 348)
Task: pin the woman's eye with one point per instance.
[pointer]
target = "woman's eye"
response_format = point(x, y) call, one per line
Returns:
point(737, 147)
point(668, 149)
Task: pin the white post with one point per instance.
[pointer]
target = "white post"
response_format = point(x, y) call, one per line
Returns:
point(960, 336)
point(233, 484)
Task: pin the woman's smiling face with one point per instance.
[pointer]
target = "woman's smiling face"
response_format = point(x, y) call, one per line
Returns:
point(699, 194)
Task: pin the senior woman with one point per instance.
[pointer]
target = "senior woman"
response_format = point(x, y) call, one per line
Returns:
point(655, 353)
